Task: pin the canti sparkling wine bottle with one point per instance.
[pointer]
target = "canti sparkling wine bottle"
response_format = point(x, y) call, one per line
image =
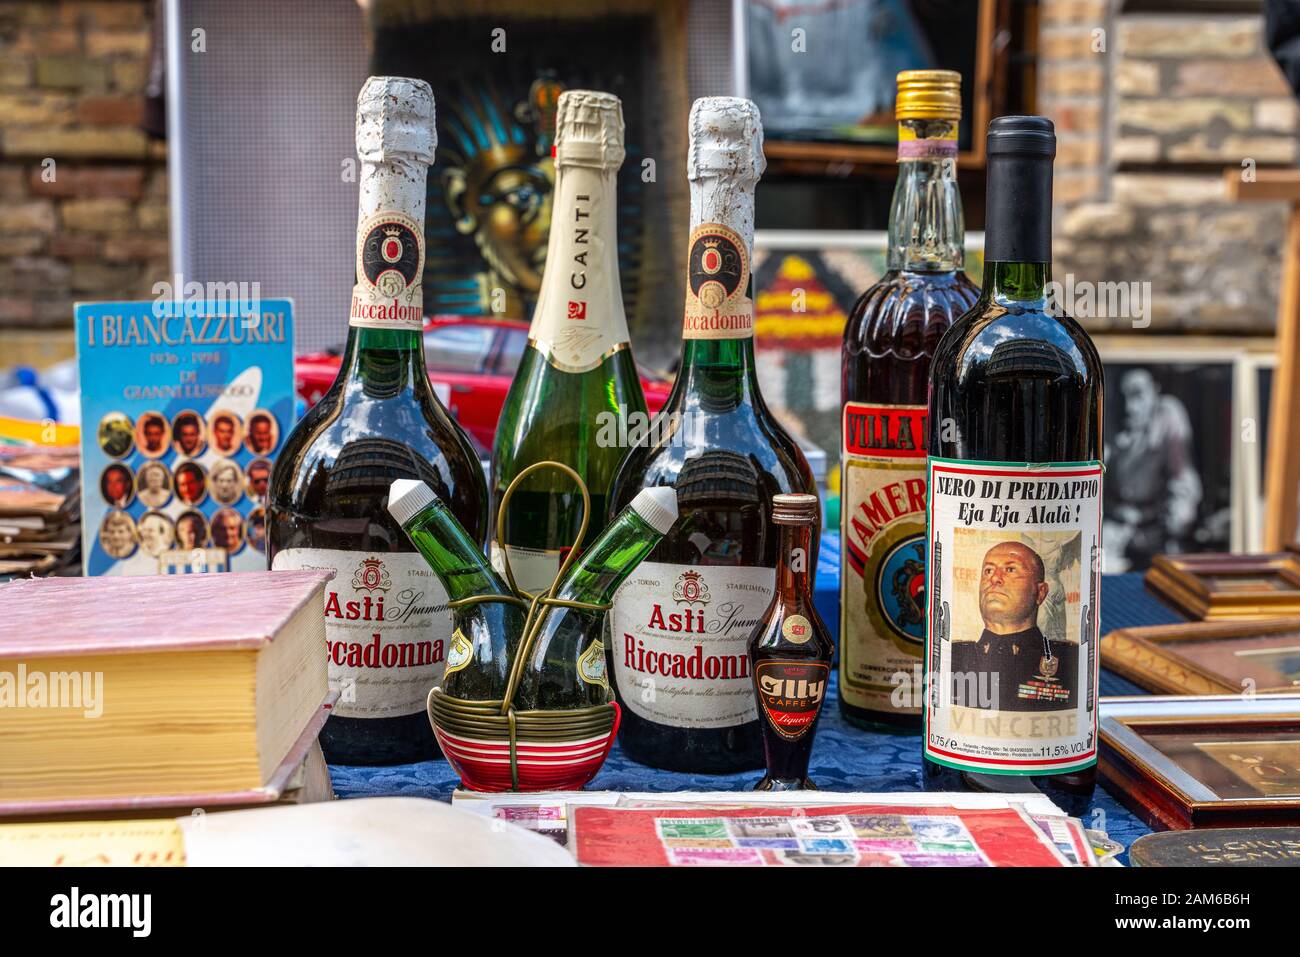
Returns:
point(888, 340)
point(680, 625)
point(576, 379)
point(387, 622)
point(1014, 526)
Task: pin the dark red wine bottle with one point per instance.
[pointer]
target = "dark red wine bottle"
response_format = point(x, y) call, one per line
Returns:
point(1014, 531)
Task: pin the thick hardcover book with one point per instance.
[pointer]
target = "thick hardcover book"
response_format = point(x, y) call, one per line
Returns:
point(183, 408)
point(156, 689)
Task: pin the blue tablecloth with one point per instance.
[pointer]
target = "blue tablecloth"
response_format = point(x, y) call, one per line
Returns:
point(844, 758)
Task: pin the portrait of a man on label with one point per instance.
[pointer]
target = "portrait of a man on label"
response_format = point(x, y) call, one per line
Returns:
point(1011, 646)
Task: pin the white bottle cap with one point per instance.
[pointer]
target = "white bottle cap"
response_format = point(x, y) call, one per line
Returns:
point(589, 130)
point(726, 139)
point(658, 506)
point(395, 119)
point(406, 497)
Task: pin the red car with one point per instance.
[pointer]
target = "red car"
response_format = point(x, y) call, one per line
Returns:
point(472, 362)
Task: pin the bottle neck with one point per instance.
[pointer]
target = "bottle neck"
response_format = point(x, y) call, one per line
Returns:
point(384, 356)
point(579, 315)
point(794, 574)
point(383, 364)
point(1024, 283)
point(387, 295)
point(926, 230)
point(610, 559)
point(1018, 216)
point(718, 368)
point(452, 554)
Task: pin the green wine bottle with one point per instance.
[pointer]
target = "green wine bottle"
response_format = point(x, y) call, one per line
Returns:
point(682, 624)
point(387, 624)
point(576, 378)
point(566, 665)
point(485, 633)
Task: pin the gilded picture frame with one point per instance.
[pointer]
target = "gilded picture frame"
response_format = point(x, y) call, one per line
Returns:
point(1221, 587)
point(1203, 761)
point(1199, 658)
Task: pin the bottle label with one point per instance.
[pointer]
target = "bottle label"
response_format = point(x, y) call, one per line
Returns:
point(1014, 581)
point(882, 556)
point(913, 147)
point(791, 693)
point(460, 654)
point(387, 627)
point(591, 665)
point(717, 285)
point(680, 642)
point(390, 267)
point(534, 568)
point(797, 630)
point(579, 320)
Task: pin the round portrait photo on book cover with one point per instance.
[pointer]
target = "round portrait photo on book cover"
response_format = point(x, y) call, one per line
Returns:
point(115, 435)
point(117, 485)
point(228, 530)
point(156, 532)
point(117, 534)
point(263, 433)
point(153, 435)
point(226, 482)
point(225, 432)
point(189, 435)
point(191, 483)
point(153, 484)
point(191, 530)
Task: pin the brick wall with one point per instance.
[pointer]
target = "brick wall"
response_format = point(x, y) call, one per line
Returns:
point(1150, 109)
point(83, 191)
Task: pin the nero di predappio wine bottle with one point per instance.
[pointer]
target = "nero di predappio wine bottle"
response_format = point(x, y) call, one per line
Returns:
point(681, 624)
point(576, 379)
point(387, 624)
point(1015, 472)
point(888, 340)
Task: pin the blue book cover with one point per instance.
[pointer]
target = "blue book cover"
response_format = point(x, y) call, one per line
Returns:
point(183, 408)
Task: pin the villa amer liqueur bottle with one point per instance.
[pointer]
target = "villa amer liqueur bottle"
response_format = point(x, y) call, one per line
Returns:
point(577, 370)
point(386, 617)
point(888, 340)
point(1015, 510)
point(680, 625)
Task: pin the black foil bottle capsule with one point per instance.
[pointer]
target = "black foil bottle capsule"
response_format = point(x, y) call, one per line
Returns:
point(1014, 517)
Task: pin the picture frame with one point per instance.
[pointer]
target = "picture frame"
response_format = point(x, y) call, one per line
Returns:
point(872, 138)
point(806, 283)
point(1208, 657)
point(1217, 586)
point(1172, 446)
point(1182, 762)
point(1255, 372)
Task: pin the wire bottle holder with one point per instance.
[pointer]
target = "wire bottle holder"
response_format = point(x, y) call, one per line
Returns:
point(493, 746)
